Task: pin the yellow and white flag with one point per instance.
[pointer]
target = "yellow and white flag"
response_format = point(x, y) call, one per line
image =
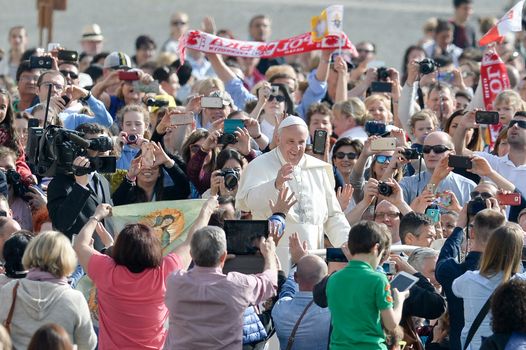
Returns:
point(329, 22)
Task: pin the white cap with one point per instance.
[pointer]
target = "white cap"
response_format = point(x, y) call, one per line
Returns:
point(292, 120)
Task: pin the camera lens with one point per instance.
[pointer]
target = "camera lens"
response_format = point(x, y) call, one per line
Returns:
point(384, 189)
point(427, 66)
point(476, 205)
point(132, 138)
point(231, 178)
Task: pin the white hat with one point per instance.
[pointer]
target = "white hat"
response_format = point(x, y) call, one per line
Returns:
point(92, 32)
point(292, 120)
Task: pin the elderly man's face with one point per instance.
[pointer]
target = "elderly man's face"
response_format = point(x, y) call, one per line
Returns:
point(386, 213)
point(292, 141)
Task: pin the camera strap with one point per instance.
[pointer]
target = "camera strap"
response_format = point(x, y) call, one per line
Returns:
point(48, 100)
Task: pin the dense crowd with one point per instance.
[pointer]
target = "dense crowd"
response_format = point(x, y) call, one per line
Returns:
point(391, 201)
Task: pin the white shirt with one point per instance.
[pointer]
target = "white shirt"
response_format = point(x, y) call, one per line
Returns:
point(356, 133)
point(505, 167)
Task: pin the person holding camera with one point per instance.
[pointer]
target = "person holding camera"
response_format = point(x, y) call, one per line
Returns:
point(133, 122)
point(145, 183)
point(72, 198)
point(239, 141)
point(61, 96)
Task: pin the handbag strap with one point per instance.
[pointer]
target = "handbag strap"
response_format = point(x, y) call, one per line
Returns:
point(7, 322)
point(296, 326)
point(478, 320)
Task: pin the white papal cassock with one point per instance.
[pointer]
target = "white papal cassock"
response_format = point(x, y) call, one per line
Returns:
point(317, 210)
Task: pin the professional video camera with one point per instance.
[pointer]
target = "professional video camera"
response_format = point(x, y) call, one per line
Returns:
point(52, 151)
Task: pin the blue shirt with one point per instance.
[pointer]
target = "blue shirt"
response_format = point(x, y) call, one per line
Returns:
point(100, 116)
point(127, 155)
point(455, 183)
point(313, 332)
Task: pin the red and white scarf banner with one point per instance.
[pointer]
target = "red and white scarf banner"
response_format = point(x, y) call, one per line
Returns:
point(494, 78)
point(298, 44)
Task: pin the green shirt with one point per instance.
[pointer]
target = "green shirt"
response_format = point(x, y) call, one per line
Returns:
point(356, 295)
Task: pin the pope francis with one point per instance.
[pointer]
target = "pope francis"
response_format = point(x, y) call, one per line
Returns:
point(317, 210)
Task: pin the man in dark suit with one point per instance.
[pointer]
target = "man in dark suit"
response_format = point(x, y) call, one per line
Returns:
point(72, 199)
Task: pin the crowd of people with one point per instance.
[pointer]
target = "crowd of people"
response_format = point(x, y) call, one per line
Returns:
point(362, 173)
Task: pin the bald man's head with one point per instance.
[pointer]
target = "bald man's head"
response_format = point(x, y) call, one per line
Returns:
point(437, 145)
point(311, 269)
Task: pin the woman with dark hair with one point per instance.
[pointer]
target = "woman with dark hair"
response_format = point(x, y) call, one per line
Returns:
point(131, 283)
point(50, 336)
point(344, 155)
point(13, 252)
point(229, 169)
point(146, 184)
point(508, 308)
point(412, 53)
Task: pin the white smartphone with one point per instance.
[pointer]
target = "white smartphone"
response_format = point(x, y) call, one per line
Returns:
point(182, 119)
point(211, 102)
point(403, 281)
point(384, 144)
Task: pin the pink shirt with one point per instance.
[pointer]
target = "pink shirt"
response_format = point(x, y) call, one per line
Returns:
point(206, 306)
point(131, 305)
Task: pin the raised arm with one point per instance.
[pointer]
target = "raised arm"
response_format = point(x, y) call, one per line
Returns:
point(459, 138)
point(341, 84)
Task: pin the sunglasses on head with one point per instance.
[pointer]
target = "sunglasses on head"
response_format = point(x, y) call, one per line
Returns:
point(341, 155)
point(70, 74)
point(436, 148)
point(278, 98)
point(483, 195)
point(383, 159)
point(520, 123)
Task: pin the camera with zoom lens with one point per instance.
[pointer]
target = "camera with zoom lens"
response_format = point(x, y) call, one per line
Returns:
point(15, 180)
point(231, 178)
point(152, 102)
point(227, 139)
point(427, 66)
point(374, 127)
point(410, 153)
point(384, 189)
point(476, 205)
point(54, 149)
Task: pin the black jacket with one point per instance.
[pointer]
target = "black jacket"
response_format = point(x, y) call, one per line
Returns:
point(71, 205)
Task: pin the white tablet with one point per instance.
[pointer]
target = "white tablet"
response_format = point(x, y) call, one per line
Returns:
point(403, 281)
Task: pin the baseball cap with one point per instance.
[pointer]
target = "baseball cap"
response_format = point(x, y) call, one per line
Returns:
point(117, 60)
point(92, 32)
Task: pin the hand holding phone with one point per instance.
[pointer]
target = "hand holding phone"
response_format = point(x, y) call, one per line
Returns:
point(487, 117)
point(383, 144)
point(319, 142)
point(512, 199)
point(461, 162)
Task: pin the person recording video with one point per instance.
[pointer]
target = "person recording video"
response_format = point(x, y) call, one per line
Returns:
point(72, 199)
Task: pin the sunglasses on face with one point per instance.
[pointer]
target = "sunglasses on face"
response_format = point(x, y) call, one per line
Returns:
point(520, 123)
point(341, 155)
point(436, 148)
point(483, 195)
point(178, 23)
point(383, 159)
point(278, 98)
point(70, 74)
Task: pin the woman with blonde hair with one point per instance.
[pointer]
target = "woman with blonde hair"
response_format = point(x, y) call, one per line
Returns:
point(379, 109)
point(45, 296)
point(500, 260)
point(349, 118)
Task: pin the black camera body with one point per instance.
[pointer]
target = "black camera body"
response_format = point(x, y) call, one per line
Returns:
point(152, 102)
point(373, 127)
point(410, 153)
point(231, 178)
point(56, 149)
point(382, 73)
point(476, 205)
point(384, 189)
point(227, 139)
point(15, 180)
point(427, 66)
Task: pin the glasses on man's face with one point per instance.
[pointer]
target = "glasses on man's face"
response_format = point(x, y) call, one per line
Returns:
point(67, 73)
point(278, 98)
point(383, 159)
point(520, 123)
point(483, 195)
point(436, 148)
point(390, 214)
point(56, 87)
point(341, 155)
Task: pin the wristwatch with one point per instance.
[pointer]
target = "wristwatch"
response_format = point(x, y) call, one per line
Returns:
point(86, 98)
